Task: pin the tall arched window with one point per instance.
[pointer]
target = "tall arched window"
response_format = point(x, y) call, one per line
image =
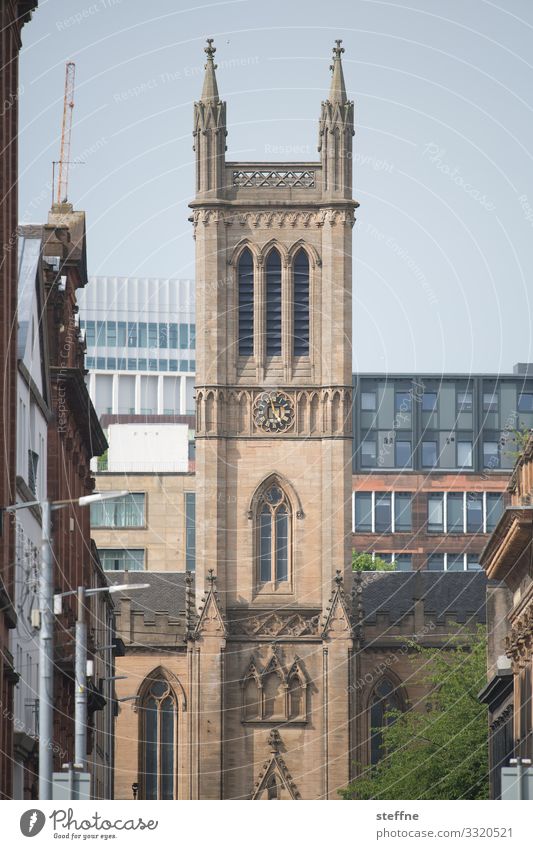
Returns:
point(384, 699)
point(273, 304)
point(301, 304)
point(274, 514)
point(246, 303)
point(158, 716)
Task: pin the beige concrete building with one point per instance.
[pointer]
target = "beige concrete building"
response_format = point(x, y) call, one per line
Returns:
point(152, 528)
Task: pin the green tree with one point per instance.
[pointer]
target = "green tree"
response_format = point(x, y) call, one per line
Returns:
point(521, 436)
point(440, 749)
point(363, 563)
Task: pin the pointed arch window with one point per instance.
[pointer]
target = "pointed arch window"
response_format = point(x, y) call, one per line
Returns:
point(384, 700)
point(158, 717)
point(245, 273)
point(301, 304)
point(273, 304)
point(275, 516)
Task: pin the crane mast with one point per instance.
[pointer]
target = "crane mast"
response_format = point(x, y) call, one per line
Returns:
point(64, 156)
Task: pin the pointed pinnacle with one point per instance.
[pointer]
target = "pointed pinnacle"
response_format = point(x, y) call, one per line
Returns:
point(337, 92)
point(210, 89)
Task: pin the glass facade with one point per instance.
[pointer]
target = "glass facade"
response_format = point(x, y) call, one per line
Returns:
point(450, 422)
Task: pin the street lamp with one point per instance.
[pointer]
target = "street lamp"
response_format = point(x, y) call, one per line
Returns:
point(46, 628)
point(80, 673)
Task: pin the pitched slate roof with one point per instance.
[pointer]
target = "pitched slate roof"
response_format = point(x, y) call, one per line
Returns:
point(166, 593)
point(460, 595)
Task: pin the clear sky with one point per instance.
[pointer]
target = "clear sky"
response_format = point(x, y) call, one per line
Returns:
point(443, 157)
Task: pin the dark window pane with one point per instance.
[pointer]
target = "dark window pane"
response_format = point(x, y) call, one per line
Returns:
point(363, 511)
point(473, 563)
point(403, 562)
point(111, 333)
point(490, 402)
point(282, 535)
point(436, 512)
point(491, 455)
point(474, 512)
point(436, 563)
point(167, 749)
point(100, 333)
point(152, 335)
point(456, 563)
point(403, 401)
point(402, 453)
point(132, 334)
point(464, 402)
point(273, 304)
point(402, 511)
point(464, 454)
point(525, 402)
point(383, 512)
point(455, 513)
point(246, 303)
point(301, 304)
point(100, 362)
point(163, 336)
point(190, 531)
point(184, 336)
point(494, 510)
point(143, 335)
point(90, 334)
point(132, 364)
point(172, 335)
point(121, 334)
point(368, 452)
point(429, 454)
point(265, 545)
point(368, 401)
point(429, 402)
point(150, 749)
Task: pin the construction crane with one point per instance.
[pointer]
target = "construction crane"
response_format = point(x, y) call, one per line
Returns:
point(66, 130)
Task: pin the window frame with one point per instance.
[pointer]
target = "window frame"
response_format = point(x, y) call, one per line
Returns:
point(274, 583)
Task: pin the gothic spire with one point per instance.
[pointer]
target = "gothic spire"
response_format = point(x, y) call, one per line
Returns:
point(210, 89)
point(337, 92)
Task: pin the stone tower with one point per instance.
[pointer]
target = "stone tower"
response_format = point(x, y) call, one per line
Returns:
point(270, 654)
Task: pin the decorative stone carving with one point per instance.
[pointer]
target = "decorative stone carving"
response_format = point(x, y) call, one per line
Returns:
point(276, 625)
point(274, 179)
point(274, 218)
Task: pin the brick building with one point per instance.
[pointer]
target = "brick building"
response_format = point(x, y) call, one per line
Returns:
point(13, 15)
point(431, 461)
point(74, 437)
point(507, 560)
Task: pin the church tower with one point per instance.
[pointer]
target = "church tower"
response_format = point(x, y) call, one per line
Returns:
point(270, 653)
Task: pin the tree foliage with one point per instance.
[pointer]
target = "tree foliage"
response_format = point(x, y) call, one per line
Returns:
point(439, 748)
point(364, 563)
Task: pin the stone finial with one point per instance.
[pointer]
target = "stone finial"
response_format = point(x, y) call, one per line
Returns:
point(337, 51)
point(337, 92)
point(210, 89)
point(210, 50)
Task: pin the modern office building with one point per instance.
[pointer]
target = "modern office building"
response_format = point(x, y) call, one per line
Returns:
point(140, 339)
point(431, 461)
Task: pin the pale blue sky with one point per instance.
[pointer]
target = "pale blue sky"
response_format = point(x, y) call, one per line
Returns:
point(443, 159)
